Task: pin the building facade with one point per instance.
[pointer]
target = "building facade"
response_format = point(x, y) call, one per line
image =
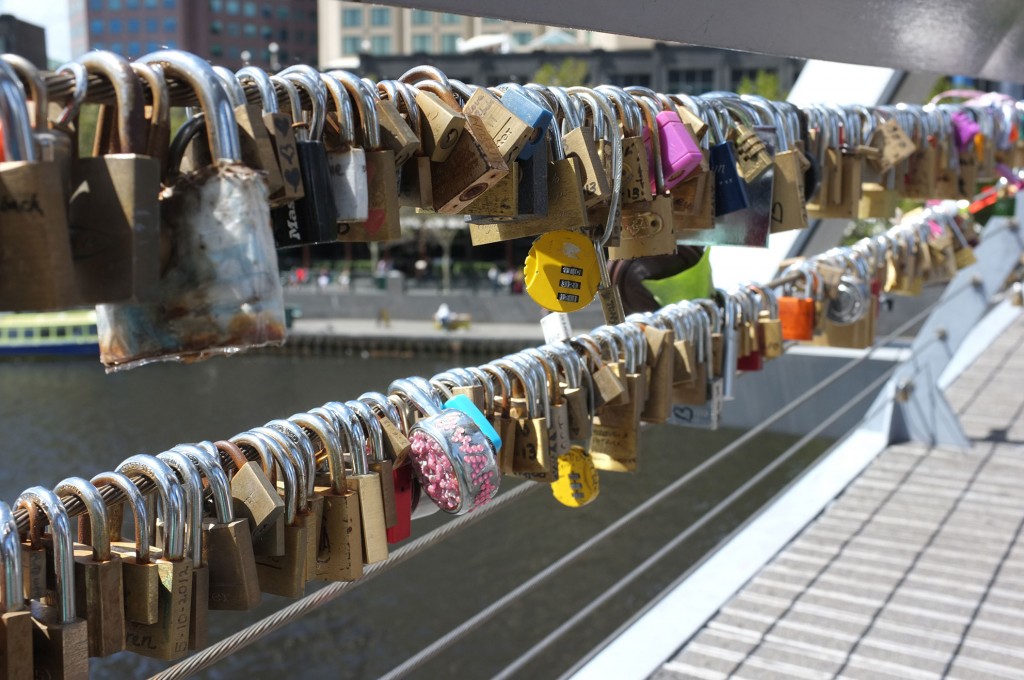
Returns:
point(227, 32)
point(22, 38)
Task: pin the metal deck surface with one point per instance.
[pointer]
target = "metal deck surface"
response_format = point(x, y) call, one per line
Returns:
point(915, 571)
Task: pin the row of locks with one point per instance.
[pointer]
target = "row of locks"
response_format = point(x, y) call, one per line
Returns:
point(321, 494)
point(174, 236)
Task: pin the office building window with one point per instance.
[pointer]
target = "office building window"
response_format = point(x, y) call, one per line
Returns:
point(249, 30)
point(131, 4)
point(170, 25)
point(380, 44)
point(231, 6)
point(350, 45)
point(168, 4)
point(216, 50)
point(249, 9)
point(448, 18)
point(116, 47)
point(267, 10)
point(282, 13)
point(216, 27)
point(691, 81)
point(422, 18)
point(282, 35)
point(96, 27)
point(114, 4)
point(352, 17)
point(133, 25)
point(114, 26)
point(149, 4)
point(449, 42)
point(151, 25)
point(522, 37)
point(233, 29)
point(95, 5)
point(152, 46)
point(422, 43)
point(380, 16)
point(216, 6)
point(134, 49)
point(266, 32)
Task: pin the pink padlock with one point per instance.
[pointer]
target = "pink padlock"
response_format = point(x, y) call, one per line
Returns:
point(680, 152)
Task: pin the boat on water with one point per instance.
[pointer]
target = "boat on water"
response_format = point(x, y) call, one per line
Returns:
point(49, 333)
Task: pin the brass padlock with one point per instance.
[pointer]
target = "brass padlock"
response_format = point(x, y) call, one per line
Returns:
point(280, 134)
point(15, 620)
point(445, 122)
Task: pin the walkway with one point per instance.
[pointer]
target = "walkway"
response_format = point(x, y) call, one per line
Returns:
point(916, 571)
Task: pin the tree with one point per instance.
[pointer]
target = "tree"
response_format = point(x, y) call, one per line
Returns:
point(764, 83)
point(567, 73)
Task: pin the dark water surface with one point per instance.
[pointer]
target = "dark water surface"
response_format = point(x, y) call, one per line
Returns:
point(67, 418)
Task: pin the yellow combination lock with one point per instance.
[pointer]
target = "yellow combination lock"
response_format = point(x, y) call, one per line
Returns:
point(561, 271)
point(577, 483)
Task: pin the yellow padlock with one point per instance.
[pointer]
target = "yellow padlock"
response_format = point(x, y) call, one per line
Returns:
point(578, 482)
point(561, 271)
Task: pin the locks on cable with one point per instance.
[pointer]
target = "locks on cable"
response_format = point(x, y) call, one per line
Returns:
point(453, 451)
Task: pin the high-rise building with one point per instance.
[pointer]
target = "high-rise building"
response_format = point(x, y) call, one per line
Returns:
point(348, 29)
point(23, 38)
point(227, 32)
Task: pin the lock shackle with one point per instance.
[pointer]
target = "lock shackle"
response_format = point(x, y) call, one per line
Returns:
point(222, 132)
point(374, 432)
point(189, 130)
point(730, 104)
point(286, 453)
point(400, 94)
point(12, 593)
point(135, 499)
point(382, 407)
point(274, 451)
point(600, 101)
point(563, 358)
point(172, 499)
point(646, 93)
point(234, 89)
point(545, 376)
point(131, 119)
point(714, 313)
point(426, 73)
point(770, 115)
point(289, 90)
point(619, 346)
point(19, 144)
point(591, 112)
point(36, 499)
point(443, 382)
point(159, 137)
point(590, 347)
point(260, 79)
point(363, 101)
point(476, 377)
point(192, 485)
point(355, 437)
point(303, 449)
point(343, 107)
point(79, 89)
point(496, 374)
point(916, 128)
point(650, 114)
point(233, 449)
point(639, 342)
point(629, 115)
point(324, 424)
point(522, 373)
point(570, 115)
point(462, 90)
point(307, 80)
point(205, 458)
point(767, 302)
point(32, 77)
point(713, 115)
point(96, 510)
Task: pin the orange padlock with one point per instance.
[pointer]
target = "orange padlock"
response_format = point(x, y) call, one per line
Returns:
point(798, 313)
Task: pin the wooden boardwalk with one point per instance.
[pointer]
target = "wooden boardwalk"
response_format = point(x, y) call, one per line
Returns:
point(915, 571)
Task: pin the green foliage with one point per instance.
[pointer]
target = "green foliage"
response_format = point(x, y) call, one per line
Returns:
point(567, 73)
point(941, 85)
point(89, 114)
point(765, 84)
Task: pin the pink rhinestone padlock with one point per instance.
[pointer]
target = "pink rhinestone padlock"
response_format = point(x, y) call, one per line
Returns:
point(453, 450)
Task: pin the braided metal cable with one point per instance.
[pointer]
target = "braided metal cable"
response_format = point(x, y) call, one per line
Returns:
point(293, 612)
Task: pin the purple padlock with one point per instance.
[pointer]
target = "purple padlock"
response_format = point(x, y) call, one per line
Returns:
point(965, 128)
point(680, 152)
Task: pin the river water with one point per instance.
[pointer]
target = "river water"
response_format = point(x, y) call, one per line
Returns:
point(68, 418)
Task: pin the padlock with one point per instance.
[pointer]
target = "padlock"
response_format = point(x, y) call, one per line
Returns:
point(381, 223)
point(561, 271)
point(680, 151)
point(565, 205)
point(158, 111)
point(140, 575)
point(607, 386)
point(508, 131)
point(789, 208)
point(15, 620)
point(396, 134)
point(701, 406)
point(285, 574)
point(499, 414)
point(453, 451)
point(192, 487)
point(346, 161)
point(256, 147)
point(168, 638)
point(797, 312)
point(636, 176)
point(60, 639)
point(314, 217)
point(578, 482)
point(578, 397)
point(114, 210)
point(381, 463)
point(99, 591)
point(557, 414)
point(227, 542)
point(660, 339)
point(750, 358)
point(445, 121)
point(615, 444)
point(242, 305)
point(36, 266)
point(255, 497)
point(414, 185)
point(280, 134)
point(298, 447)
point(532, 455)
point(578, 144)
point(534, 113)
point(397, 447)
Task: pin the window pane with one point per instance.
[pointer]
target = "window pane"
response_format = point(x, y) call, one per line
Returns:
point(77, 331)
point(133, 25)
point(522, 37)
point(350, 45)
point(448, 18)
point(232, 6)
point(691, 81)
point(266, 11)
point(249, 30)
point(352, 17)
point(216, 27)
point(131, 4)
point(116, 47)
point(61, 331)
point(422, 43)
point(96, 26)
point(114, 26)
point(170, 25)
point(449, 42)
point(150, 4)
point(151, 25)
point(113, 4)
point(380, 16)
point(421, 17)
point(249, 9)
point(380, 44)
point(216, 5)
point(266, 32)
point(282, 13)
point(95, 5)
point(233, 29)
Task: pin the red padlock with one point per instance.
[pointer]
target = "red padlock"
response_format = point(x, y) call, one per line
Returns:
point(754, 359)
point(396, 448)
